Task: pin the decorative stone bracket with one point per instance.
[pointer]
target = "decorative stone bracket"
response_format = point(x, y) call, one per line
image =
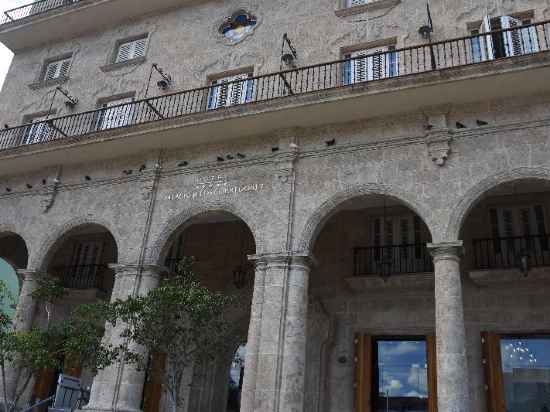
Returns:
point(438, 143)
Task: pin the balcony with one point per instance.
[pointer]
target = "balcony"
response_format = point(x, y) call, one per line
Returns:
point(82, 277)
point(47, 21)
point(455, 71)
point(507, 252)
point(392, 260)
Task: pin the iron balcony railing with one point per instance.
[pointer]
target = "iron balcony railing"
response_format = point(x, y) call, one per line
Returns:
point(392, 260)
point(34, 9)
point(354, 72)
point(82, 277)
point(507, 252)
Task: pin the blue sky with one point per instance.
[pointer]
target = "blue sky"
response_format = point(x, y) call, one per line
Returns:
point(5, 54)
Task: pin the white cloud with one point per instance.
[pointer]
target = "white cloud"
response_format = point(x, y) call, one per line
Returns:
point(5, 54)
point(418, 378)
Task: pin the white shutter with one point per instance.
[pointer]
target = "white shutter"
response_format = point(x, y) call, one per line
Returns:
point(487, 48)
point(57, 69)
point(358, 67)
point(512, 38)
point(116, 116)
point(351, 3)
point(131, 50)
point(530, 39)
point(371, 64)
point(36, 132)
point(225, 93)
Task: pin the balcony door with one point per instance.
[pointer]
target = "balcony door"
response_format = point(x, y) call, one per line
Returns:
point(399, 245)
point(519, 230)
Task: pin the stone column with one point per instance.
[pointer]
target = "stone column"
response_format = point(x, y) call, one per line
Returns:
point(253, 341)
point(452, 363)
point(120, 387)
point(282, 351)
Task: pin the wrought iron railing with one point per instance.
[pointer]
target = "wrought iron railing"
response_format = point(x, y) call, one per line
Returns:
point(392, 260)
point(507, 252)
point(82, 276)
point(33, 9)
point(351, 73)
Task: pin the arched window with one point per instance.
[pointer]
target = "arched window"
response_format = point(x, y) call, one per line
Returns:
point(236, 27)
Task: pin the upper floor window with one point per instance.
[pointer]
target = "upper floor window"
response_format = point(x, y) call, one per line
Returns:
point(517, 38)
point(131, 49)
point(371, 64)
point(231, 90)
point(57, 69)
point(38, 129)
point(118, 112)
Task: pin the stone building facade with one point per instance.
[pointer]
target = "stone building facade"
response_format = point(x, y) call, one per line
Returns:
point(391, 202)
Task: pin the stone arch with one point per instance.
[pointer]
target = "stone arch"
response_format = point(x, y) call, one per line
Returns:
point(324, 212)
point(474, 194)
point(180, 221)
point(54, 241)
point(10, 230)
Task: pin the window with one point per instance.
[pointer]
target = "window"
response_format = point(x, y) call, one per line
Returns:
point(352, 3)
point(238, 26)
point(37, 131)
point(130, 50)
point(517, 371)
point(517, 39)
point(57, 69)
point(231, 91)
point(116, 113)
point(370, 64)
point(395, 374)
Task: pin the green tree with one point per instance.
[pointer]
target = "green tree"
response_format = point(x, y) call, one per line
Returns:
point(30, 352)
point(182, 320)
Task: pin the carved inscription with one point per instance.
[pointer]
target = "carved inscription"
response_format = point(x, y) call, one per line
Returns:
point(215, 186)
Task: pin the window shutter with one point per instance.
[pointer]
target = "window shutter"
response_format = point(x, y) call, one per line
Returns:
point(152, 393)
point(359, 67)
point(51, 71)
point(139, 48)
point(363, 373)
point(512, 38)
point(65, 66)
point(432, 373)
point(487, 48)
point(492, 364)
point(131, 50)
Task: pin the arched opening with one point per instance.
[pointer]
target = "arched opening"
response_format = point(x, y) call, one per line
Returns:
point(13, 255)
point(220, 244)
point(507, 241)
point(372, 307)
point(79, 259)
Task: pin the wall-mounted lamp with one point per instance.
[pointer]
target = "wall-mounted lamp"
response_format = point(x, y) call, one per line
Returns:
point(71, 101)
point(289, 54)
point(427, 29)
point(166, 80)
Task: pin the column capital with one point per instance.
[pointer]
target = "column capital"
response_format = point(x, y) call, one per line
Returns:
point(30, 274)
point(446, 250)
point(122, 270)
point(284, 258)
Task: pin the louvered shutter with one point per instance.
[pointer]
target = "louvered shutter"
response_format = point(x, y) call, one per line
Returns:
point(359, 67)
point(37, 132)
point(363, 361)
point(492, 364)
point(512, 37)
point(432, 373)
point(57, 69)
point(487, 48)
point(351, 3)
point(376, 63)
point(51, 71)
point(64, 69)
point(231, 91)
point(131, 50)
point(530, 39)
point(116, 114)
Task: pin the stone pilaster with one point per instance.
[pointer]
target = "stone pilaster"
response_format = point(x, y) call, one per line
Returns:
point(120, 387)
point(280, 373)
point(452, 363)
point(253, 341)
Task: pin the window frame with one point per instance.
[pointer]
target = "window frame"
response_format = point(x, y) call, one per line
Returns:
point(41, 80)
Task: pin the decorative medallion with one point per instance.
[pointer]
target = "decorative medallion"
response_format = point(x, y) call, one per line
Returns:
point(238, 26)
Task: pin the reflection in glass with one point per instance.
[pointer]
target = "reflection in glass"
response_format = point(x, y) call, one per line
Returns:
point(526, 373)
point(236, 374)
point(402, 376)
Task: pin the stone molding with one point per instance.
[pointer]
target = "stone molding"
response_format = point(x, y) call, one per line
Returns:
point(49, 246)
point(302, 260)
point(326, 210)
point(446, 250)
point(30, 275)
point(438, 143)
point(468, 201)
